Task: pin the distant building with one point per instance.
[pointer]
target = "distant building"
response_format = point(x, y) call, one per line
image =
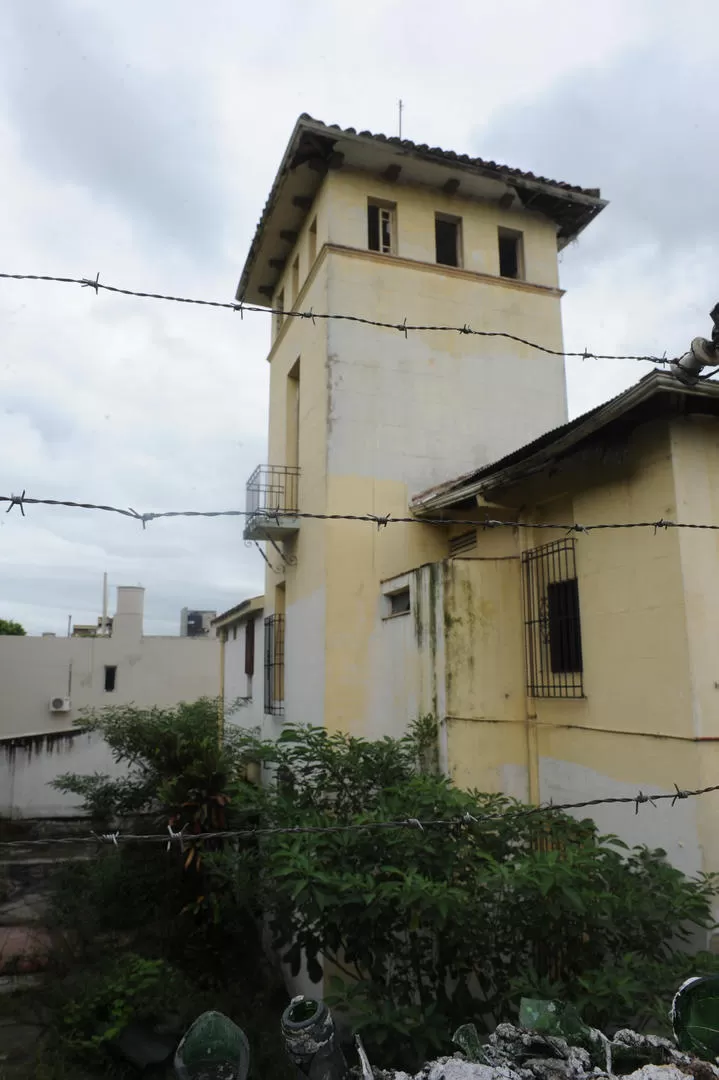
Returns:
point(243, 671)
point(196, 623)
point(47, 682)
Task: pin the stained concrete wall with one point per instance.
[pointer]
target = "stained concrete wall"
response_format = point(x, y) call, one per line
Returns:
point(150, 671)
point(649, 715)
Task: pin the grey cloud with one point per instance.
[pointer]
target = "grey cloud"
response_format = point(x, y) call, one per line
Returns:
point(89, 116)
point(642, 129)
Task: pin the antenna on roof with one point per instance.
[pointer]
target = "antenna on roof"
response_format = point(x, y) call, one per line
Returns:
point(401, 107)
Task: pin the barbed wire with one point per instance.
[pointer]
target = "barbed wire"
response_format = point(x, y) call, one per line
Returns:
point(403, 327)
point(379, 520)
point(182, 837)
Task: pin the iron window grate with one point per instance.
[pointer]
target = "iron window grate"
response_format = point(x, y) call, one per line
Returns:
point(275, 665)
point(552, 627)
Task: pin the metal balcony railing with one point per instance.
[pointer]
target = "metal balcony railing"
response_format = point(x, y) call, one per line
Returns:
point(272, 501)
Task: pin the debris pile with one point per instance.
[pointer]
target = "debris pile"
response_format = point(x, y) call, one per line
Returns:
point(551, 1043)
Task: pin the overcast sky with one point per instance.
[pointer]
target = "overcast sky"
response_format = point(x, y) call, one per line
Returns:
point(140, 139)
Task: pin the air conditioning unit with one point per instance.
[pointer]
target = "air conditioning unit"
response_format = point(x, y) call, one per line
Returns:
point(60, 704)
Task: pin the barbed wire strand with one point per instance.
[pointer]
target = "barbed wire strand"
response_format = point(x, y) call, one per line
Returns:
point(183, 837)
point(379, 520)
point(403, 327)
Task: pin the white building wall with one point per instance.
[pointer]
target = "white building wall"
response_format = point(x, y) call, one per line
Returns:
point(150, 671)
point(239, 685)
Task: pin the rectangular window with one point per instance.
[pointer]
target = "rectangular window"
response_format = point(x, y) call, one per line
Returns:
point(292, 416)
point(279, 309)
point(381, 227)
point(553, 638)
point(275, 665)
point(234, 633)
point(398, 603)
point(250, 647)
point(448, 237)
point(295, 279)
point(110, 678)
point(312, 238)
point(511, 254)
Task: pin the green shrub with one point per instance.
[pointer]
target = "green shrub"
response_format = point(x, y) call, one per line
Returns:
point(98, 1005)
point(429, 928)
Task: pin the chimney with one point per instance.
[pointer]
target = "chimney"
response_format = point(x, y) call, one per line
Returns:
point(127, 623)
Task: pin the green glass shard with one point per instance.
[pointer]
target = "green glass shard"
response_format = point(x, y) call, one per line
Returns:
point(551, 1018)
point(213, 1048)
point(695, 1017)
point(467, 1039)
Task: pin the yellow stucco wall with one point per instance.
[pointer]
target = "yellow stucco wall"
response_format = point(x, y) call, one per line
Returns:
point(384, 415)
point(650, 713)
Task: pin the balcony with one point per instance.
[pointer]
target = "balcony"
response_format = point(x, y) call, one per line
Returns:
point(271, 503)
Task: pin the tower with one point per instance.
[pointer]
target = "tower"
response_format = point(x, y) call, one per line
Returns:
point(362, 417)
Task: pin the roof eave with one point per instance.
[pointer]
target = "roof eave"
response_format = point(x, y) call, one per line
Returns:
point(528, 188)
point(239, 612)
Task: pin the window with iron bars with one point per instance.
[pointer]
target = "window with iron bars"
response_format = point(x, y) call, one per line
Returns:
point(275, 665)
point(552, 628)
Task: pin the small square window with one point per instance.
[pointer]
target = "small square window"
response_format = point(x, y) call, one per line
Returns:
point(448, 237)
point(511, 254)
point(110, 678)
point(398, 603)
point(381, 227)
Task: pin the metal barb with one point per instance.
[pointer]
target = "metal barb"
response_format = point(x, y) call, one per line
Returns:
point(680, 794)
point(92, 283)
point(17, 500)
point(108, 838)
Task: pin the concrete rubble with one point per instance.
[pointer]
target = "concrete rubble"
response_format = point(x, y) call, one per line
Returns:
point(515, 1054)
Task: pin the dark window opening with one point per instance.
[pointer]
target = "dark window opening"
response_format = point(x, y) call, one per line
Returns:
point(553, 638)
point(110, 679)
point(446, 235)
point(399, 602)
point(565, 642)
point(250, 647)
point(510, 254)
point(380, 226)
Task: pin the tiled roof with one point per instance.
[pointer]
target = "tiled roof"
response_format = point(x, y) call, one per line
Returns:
point(451, 155)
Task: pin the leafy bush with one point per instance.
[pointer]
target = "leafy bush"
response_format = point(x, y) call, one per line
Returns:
point(176, 759)
point(8, 626)
point(420, 930)
point(100, 1004)
point(426, 929)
